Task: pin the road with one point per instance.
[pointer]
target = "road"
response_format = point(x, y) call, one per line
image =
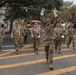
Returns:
point(28, 63)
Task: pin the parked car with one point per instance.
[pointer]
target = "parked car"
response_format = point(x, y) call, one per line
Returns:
point(36, 21)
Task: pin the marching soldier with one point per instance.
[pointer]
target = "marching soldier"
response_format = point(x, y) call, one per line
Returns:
point(49, 42)
point(2, 35)
point(22, 31)
point(16, 35)
point(58, 38)
point(70, 36)
point(36, 34)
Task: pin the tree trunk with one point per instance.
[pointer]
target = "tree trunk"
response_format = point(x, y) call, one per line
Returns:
point(11, 25)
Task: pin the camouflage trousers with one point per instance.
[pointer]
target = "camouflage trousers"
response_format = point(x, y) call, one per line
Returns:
point(69, 41)
point(49, 47)
point(18, 43)
point(36, 44)
point(58, 43)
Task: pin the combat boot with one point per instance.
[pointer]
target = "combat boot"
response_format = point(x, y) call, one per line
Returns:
point(59, 52)
point(37, 52)
point(51, 66)
point(73, 48)
point(17, 52)
point(47, 62)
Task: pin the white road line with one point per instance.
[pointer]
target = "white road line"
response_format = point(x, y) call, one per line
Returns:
point(10, 46)
point(5, 50)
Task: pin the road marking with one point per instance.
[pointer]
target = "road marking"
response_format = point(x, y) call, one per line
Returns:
point(59, 71)
point(29, 54)
point(34, 62)
point(6, 53)
point(8, 46)
point(20, 55)
point(23, 48)
point(14, 50)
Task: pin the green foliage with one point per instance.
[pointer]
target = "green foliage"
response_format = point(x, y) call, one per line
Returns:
point(14, 10)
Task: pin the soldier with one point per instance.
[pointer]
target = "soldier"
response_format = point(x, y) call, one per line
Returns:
point(36, 34)
point(27, 33)
point(49, 42)
point(58, 38)
point(22, 34)
point(70, 37)
point(16, 35)
point(2, 35)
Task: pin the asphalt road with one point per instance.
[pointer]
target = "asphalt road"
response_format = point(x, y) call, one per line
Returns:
point(28, 63)
point(8, 43)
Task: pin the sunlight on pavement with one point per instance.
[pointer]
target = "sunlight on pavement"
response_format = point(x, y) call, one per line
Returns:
point(29, 54)
point(34, 62)
point(59, 71)
point(3, 54)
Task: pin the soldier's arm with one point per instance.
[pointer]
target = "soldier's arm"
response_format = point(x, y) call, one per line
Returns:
point(55, 35)
point(39, 31)
point(3, 33)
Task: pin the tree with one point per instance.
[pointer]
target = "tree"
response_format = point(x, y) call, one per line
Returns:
point(14, 10)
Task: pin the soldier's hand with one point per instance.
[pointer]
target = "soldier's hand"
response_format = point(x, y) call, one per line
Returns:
point(39, 36)
point(42, 40)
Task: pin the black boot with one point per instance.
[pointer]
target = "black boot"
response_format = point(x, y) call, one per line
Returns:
point(47, 62)
point(16, 51)
point(73, 48)
point(59, 51)
point(50, 66)
point(37, 51)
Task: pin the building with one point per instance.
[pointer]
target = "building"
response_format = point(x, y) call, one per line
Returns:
point(2, 17)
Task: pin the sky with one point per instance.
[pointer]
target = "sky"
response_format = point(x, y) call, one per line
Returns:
point(74, 1)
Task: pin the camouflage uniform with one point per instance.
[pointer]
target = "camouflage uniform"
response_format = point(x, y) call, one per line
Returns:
point(2, 34)
point(74, 39)
point(70, 37)
point(22, 34)
point(58, 40)
point(49, 44)
point(27, 33)
point(16, 35)
point(36, 33)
